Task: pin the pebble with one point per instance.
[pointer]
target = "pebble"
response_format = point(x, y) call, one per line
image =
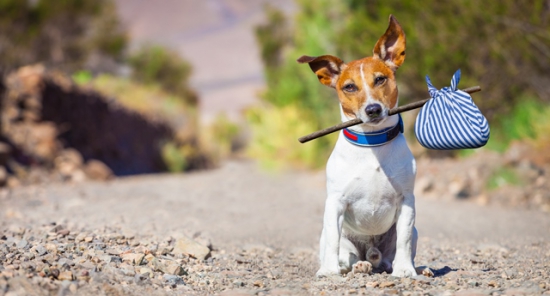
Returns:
point(73, 265)
point(386, 284)
point(22, 244)
point(40, 250)
point(190, 247)
point(65, 275)
point(173, 280)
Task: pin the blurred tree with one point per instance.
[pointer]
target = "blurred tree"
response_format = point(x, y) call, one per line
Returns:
point(156, 64)
point(65, 34)
point(273, 37)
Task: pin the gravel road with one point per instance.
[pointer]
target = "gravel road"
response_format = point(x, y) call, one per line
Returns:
point(148, 235)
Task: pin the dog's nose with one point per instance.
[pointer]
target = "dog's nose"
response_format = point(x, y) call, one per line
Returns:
point(373, 110)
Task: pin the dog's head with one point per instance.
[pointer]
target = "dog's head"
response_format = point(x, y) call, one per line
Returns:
point(366, 88)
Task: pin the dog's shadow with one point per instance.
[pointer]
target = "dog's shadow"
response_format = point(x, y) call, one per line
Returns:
point(442, 271)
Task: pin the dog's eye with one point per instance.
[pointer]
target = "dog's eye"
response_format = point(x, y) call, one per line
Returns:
point(350, 87)
point(380, 80)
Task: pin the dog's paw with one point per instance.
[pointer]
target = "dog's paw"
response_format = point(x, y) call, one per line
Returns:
point(325, 272)
point(425, 271)
point(362, 267)
point(403, 271)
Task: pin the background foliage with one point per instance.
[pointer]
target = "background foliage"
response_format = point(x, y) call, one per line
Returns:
point(65, 34)
point(503, 46)
point(153, 64)
point(87, 40)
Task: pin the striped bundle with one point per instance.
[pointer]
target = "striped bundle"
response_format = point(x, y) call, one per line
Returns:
point(450, 120)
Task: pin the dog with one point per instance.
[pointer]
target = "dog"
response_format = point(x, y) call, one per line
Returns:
point(369, 216)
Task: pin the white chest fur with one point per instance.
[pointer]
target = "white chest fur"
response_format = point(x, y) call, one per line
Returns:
point(369, 183)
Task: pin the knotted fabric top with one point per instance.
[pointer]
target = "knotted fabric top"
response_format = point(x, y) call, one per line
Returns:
point(450, 120)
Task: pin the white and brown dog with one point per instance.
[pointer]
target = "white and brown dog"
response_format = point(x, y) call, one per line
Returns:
point(369, 212)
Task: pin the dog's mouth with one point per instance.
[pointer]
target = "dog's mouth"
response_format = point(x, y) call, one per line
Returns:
point(376, 120)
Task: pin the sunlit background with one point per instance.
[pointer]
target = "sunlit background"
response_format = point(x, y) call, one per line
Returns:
point(98, 89)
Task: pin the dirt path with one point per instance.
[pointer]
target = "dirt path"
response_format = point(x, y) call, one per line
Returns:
point(264, 230)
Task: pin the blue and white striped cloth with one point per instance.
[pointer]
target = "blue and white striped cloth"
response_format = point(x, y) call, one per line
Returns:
point(450, 120)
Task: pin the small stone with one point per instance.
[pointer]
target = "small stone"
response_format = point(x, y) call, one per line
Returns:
point(54, 272)
point(258, 283)
point(141, 278)
point(88, 239)
point(372, 284)
point(64, 232)
point(173, 268)
point(190, 247)
point(40, 250)
point(492, 283)
point(113, 251)
point(173, 280)
point(80, 237)
point(386, 284)
point(136, 259)
point(146, 270)
point(65, 276)
point(22, 244)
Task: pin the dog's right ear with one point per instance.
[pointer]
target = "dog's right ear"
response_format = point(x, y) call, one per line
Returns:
point(326, 67)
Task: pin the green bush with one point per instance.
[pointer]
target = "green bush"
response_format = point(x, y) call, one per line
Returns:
point(62, 34)
point(503, 177)
point(522, 124)
point(153, 64)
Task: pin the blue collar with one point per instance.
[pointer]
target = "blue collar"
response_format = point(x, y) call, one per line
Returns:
point(373, 139)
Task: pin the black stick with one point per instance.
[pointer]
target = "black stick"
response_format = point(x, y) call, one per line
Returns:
point(357, 121)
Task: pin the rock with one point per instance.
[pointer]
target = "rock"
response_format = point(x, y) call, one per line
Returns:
point(146, 270)
point(40, 250)
point(141, 279)
point(112, 251)
point(173, 268)
point(97, 170)
point(190, 247)
point(64, 232)
point(173, 280)
point(65, 276)
point(386, 284)
point(132, 258)
point(22, 244)
point(55, 272)
point(372, 284)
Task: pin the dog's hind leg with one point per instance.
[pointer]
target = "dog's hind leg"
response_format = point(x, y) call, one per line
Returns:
point(348, 255)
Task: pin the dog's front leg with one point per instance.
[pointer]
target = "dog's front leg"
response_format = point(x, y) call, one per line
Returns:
point(330, 238)
point(403, 264)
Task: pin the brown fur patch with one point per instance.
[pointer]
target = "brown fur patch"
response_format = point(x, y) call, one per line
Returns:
point(385, 93)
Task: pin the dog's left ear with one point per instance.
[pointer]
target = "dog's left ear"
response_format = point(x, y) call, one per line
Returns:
point(391, 46)
point(326, 67)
